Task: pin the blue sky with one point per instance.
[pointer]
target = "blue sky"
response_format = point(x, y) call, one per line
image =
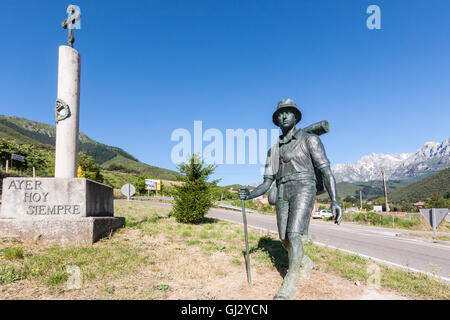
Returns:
point(150, 67)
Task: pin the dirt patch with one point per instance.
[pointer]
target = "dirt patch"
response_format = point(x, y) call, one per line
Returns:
point(184, 272)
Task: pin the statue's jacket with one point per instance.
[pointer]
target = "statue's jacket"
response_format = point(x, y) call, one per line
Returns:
point(298, 156)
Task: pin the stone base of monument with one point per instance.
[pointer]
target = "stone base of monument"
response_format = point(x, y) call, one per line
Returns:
point(74, 231)
point(61, 210)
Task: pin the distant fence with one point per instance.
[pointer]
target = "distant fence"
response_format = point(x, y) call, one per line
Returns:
point(220, 205)
point(397, 213)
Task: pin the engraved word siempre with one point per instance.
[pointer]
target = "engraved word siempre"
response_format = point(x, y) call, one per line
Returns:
point(36, 195)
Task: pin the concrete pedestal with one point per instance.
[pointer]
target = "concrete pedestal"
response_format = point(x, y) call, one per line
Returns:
point(62, 210)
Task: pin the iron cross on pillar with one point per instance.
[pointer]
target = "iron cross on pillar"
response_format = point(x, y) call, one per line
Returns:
point(72, 21)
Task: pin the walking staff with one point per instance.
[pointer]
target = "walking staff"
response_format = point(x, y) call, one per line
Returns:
point(247, 254)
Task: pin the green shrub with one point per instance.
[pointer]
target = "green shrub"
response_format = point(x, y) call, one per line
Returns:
point(88, 168)
point(13, 253)
point(8, 274)
point(193, 198)
point(164, 287)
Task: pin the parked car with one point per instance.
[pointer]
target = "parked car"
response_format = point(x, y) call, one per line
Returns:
point(316, 215)
point(321, 214)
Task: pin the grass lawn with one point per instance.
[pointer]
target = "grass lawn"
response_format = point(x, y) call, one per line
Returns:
point(154, 257)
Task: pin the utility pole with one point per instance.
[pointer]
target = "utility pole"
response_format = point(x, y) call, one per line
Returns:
point(385, 191)
point(385, 196)
point(360, 199)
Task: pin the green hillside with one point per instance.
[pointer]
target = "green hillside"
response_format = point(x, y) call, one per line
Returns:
point(32, 132)
point(9, 132)
point(420, 190)
point(142, 168)
point(370, 189)
point(43, 136)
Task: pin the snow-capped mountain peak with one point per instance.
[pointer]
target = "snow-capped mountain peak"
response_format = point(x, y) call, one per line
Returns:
point(432, 156)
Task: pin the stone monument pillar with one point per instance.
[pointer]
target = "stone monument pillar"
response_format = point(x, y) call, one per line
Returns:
point(67, 117)
point(64, 209)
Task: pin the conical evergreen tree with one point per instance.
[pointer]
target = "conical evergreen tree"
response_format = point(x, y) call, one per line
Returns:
point(193, 198)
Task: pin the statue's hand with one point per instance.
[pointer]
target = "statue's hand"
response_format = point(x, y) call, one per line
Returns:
point(337, 212)
point(243, 193)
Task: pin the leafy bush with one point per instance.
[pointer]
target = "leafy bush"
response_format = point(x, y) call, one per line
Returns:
point(42, 158)
point(13, 252)
point(437, 201)
point(89, 169)
point(8, 274)
point(193, 198)
point(385, 220)
point(223, 193)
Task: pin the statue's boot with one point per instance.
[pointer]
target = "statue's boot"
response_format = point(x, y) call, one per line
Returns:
point(289, 286)
point(307, 265)
point(290, 283)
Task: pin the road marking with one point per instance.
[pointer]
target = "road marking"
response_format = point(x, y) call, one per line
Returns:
point(385, 262)
point(393, 264)
point(383, 235)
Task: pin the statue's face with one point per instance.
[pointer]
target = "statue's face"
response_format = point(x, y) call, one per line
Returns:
point(286, 120)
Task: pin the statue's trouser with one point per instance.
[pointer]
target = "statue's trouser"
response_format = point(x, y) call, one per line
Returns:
point(294, 205)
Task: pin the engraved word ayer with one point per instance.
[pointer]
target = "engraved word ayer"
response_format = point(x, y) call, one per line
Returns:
point(36, 199)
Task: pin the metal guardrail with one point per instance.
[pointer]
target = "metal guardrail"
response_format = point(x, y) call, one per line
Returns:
point(151, 198)
point(227, 206)
point(220, 205)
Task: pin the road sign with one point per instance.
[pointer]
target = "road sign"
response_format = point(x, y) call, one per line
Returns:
point(128, 190)
point(151, 184)
point(434, 216)
point(17, 157)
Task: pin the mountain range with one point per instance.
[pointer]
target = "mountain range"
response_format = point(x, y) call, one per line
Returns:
point(363, 175)
point(430, 158)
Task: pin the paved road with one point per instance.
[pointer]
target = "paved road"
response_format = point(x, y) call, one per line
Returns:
point(381, 244)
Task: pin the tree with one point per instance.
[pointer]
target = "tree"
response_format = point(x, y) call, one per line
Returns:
point(407, 207)
point(140, 184)
point(89, 169)
point(42, 159)
point(223, 193)
point(437, 201)
point(193, 198)
point(350, 199)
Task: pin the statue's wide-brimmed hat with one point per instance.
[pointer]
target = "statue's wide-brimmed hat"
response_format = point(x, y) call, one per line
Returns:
point(287, 104)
